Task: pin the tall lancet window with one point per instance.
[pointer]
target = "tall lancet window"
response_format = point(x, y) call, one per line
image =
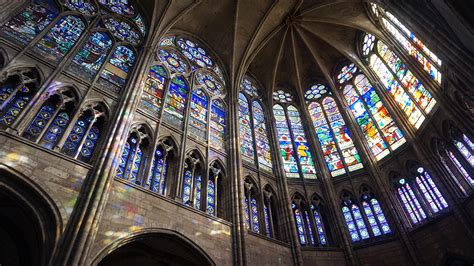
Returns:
point(255, 147)
point(340, 154)
point(407, 91)
point(374, 120)
point(294, 149)
point(185, 88)
point(193, 180)
point(409, 42)
point(134, 155)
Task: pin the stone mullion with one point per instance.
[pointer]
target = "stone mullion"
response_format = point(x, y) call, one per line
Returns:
point(236, 185)
point(371, 166)
point(80, 233)
point(331, 193)
point(24, 117)
point(282, 180)
point(182, 154)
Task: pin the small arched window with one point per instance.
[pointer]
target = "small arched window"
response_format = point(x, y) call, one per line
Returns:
point(193, 180)
point(419, 195)
point(270, 212)
point(52, 119)
point(255, 147)
point(251, 206)
point(407, 91)
point(83, 137)
point(16, 91)
point(339, 151)
point(214, 189)
point(319, 221)
point(410, 43)
point(291, 137)
point(374, 120)
point(302, 220)
point(164, 159)
point(374, 213)
point(355, 222)
point(134, 156)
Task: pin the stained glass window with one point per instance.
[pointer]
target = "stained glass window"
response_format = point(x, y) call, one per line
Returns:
point(255, 223)
point(157, 178)
point(346, 73)
point(175, 103)
point(302, 148)
point(92, 55)
point(282, 96)
point(460, 168)
point(82, 6)
point(154, 88)
point(14, 99)
point(246, 139)
point(60, 38)
point(210, 83)
point(90, 143)
point(197, 192)
point(332, 132)
point(188, 181)
point(377, 221)
point(218, 127)
point(299, 225)
point(267, 219)
point(122, 7)
point(380, 131)
point(430, 191)
point(247, 209)
point(319, 226)
point(172, 61)
point(410, 202)
point(410, 43)
point(23, 27)
point(261, 139)
point(465, 150)
point(354, 221)
point(120, 63)
point(284, 139)
point(78, 132)
point(132, 159)
point(211, 197)
point(409, 93)
point(249, 87)
point(198, 114)
point(122, 30)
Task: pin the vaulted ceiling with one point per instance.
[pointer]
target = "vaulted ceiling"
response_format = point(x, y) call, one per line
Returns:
point(286, 43)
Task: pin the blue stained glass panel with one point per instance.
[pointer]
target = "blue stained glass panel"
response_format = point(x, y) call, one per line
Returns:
point(92, 55)
point(121, 62)
point(267, 220)
point(18, 104)
point(194, 53)
point(120, 7)
point(310, 231)
point(320, 228)
point(353, 231)
point(136, 165)
point(75, 136)
point(172, 61)
point(85, 7)
point(23, 27)
point(371, 218)
point(255, 223)
point(123, 30)
point(88, 148)
point(211, 197)
point(245, 135)
point(60, 38)
point(55, 130)
point(300, 226)
point(197, 192)
point(39, 122)
point(247, 214)
point(188, 180)
point(380, 216)
point(123, 160)
point(5, 92)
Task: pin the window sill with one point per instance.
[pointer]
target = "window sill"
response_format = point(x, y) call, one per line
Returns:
point(276, 241)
